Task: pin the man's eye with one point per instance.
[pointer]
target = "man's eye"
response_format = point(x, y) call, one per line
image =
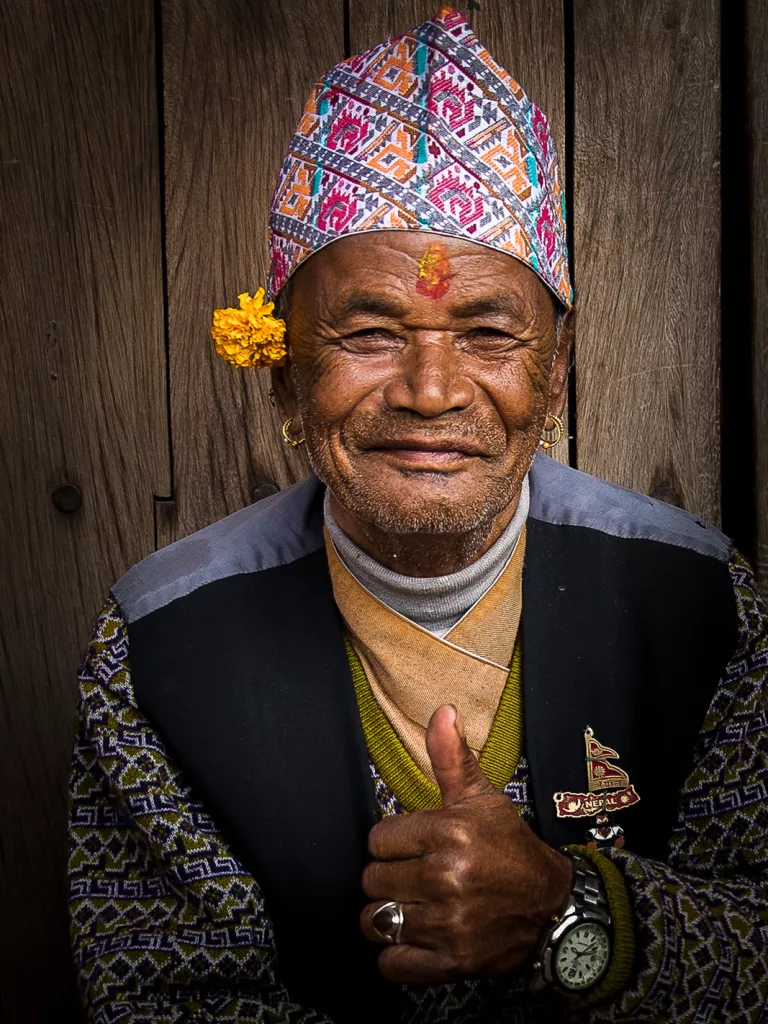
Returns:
point(373, 339)
point(490, 338)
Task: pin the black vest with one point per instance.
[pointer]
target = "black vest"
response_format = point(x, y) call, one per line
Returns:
point(245, 677)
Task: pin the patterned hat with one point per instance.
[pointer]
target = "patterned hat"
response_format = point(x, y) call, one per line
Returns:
point(425, 132)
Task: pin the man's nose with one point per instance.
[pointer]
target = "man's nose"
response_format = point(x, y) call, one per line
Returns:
point(430, 380)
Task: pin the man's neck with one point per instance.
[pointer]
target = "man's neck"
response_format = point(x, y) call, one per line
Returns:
point(423, 554)
point(436, 603)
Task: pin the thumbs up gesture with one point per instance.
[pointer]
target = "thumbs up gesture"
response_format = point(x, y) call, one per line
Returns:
point(477, 886)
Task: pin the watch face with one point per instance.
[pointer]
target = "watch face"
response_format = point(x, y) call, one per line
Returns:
point(582, 956)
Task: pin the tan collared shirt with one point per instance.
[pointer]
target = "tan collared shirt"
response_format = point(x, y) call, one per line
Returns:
point(412, 672)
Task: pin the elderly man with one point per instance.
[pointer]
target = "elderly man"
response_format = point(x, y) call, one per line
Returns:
point(447, 732)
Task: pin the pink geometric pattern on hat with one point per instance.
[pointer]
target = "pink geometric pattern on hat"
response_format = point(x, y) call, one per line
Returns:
point(424, 132)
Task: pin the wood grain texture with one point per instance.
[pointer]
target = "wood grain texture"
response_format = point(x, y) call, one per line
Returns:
point(757, 44)
point(83, 371)
point(525, 37)
point(235, 80)
point(647, 237)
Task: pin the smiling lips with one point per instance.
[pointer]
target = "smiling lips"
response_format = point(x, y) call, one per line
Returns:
point(423, 454)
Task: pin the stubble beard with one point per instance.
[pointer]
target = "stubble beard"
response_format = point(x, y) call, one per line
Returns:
point(424, 539)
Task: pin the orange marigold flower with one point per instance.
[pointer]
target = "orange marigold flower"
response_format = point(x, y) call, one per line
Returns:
point(249, 336)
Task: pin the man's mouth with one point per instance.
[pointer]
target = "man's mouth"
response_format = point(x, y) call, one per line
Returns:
point(425, 453)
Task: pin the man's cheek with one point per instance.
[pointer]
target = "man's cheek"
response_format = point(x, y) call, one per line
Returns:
point(328, 415)
point(316, 394)
point(324, 424)
point(519, 407)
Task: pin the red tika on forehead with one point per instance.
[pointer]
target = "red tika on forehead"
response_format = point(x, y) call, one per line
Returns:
point(425, 132)
point(434, 275)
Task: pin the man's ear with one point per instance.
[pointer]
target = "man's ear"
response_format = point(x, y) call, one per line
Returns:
point(285, 392)
point(558, 381)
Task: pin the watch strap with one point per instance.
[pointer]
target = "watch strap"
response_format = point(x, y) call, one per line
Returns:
point(587, 901)
point(588, 890)
point(621, 966)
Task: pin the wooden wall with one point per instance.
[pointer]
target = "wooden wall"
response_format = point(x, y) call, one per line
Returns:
point(140, 143)
point(83, 425)
point(646, 201)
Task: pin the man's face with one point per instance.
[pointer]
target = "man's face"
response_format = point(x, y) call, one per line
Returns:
point(422, 372)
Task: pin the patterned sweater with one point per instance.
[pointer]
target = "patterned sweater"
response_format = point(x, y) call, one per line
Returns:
point(167, 926)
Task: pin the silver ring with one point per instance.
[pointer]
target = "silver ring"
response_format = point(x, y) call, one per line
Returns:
point(396, 922)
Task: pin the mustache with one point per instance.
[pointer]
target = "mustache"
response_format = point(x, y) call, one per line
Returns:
point(461, 431)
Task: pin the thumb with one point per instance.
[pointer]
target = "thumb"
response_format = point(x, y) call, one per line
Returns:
point(458, 774)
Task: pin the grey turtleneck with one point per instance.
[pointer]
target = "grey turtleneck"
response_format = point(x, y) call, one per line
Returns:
point(435, 603)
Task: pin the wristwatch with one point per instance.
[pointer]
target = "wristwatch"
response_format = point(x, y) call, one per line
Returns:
point(575, 952)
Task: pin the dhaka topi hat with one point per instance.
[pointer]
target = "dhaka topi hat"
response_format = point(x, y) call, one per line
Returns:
point(425, 132)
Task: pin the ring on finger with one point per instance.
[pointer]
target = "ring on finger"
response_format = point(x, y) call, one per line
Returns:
point(392, 928)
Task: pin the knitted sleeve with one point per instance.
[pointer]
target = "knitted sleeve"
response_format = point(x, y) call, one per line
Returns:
point(701, 918)
point(166, 925)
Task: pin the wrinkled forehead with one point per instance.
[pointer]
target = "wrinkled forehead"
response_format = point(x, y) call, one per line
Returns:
point(396, 273)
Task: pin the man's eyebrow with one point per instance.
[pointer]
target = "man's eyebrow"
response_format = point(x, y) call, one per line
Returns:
point(506, 304)
point(364, 302)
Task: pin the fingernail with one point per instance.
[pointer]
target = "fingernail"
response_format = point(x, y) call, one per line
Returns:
point(459, 724)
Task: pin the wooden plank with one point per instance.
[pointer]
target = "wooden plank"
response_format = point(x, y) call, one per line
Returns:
point(647, 239)
point(83, 368)
point(757, 43)
point(525, 37)
point(235, 81)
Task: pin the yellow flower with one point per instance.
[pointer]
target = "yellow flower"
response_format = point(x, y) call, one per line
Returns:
point(249, 336)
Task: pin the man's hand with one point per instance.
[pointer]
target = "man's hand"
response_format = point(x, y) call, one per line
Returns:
point(478, 887)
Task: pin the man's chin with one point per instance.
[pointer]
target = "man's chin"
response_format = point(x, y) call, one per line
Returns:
point(423, 510)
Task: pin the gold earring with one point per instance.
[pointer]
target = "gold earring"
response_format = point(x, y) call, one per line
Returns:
point(292, 442)
point(559, 430)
